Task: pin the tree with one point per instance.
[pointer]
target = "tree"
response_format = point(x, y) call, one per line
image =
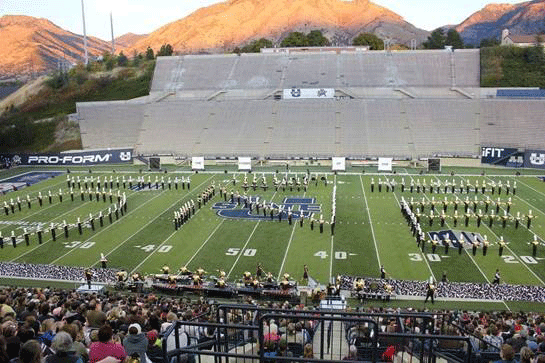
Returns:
point(295, 39)
point(149, 54)
point(489, 42)
point(436, 40)
point(454, 39)
point(374, 42)
point(316, 39)
point(122, 60)
point(165, 51)
point(255, 46)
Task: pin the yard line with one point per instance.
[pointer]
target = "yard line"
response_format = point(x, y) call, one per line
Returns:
point(470, 257)
point(529, 186)
point(517, 257)
point(105, 228)
point(419, 250)
point(205, 242)
point(50, 239)
point(525, 201)
point(209, 236)
point(241, 251)
point(331, 251)
point(147, 224)
point(370, 222)
point(286, 253)
point(289, 244)
point(513, 253)
point(173, 233)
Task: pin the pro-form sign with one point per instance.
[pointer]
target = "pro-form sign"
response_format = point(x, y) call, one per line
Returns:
point(534, 159)
point(296, 93)
point(115, 156)
point(509, 157)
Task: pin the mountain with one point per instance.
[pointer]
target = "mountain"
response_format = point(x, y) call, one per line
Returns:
point(237, 22)
point(35, 45)
point(525, 18)
point(128, 40)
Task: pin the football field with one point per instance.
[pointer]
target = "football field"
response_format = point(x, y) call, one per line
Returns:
point(370, 229)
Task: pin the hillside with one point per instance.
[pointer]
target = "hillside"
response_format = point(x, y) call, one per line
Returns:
point(523, 18)
point(128, 40)
point(34, 45)
point(35, 117)
point(236, 22)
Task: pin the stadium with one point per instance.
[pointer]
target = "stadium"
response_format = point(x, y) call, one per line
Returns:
point(329, 177)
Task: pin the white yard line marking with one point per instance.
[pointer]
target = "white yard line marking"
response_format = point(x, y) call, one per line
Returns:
point(205, 242)
point(242, 250)
point(104, 229)
point(419, 250)
point(370, 222)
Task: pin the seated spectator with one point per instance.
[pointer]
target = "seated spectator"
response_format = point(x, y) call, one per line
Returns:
point(105, 346)
point(62, 345)
point(493, 339)
point(30, 352)
point(77, 346)
point(507, 354)
point(4, 358)
point(154, 351)
point(526, 355)
point(136, 342)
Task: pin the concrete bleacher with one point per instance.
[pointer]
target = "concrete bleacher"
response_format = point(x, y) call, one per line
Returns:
point(109, 124)
point(401, 104)
point(317, 70)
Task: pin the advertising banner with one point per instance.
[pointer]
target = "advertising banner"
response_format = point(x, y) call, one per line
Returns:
point(95, 157)
point(534, 159)
point(338, 164)
point(509, 157)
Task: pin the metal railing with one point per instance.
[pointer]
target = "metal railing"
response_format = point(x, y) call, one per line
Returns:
point(247, 332)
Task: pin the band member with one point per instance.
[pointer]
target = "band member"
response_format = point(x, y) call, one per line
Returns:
point(305, 273)
point(535, 243)
point(382, 272)
point(496, 277)
point(88, 277)
point(259, 271)
point(26, 236)
point(53, 232)
point(103, 260)
point(501, 244)
point(430, 291)
point(475, 245)
point(485, 245)
point(529, 216)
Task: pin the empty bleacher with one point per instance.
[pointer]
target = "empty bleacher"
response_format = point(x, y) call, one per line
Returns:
point(109, 124)
point(399, 104)
point(317, 70)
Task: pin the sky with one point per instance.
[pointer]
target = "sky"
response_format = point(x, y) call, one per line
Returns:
point(145, 16)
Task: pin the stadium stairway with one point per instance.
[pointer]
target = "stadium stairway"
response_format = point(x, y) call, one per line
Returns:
point(336, 341)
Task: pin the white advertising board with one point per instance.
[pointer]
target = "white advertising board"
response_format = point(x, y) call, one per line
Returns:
point(384, 164)
point(244, 163)
point(197, 163)
point(338, 164)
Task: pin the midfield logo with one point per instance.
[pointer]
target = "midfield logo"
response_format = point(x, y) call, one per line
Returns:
point(297, 205)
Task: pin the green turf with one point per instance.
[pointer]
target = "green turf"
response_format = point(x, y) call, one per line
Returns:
point(370, 229)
